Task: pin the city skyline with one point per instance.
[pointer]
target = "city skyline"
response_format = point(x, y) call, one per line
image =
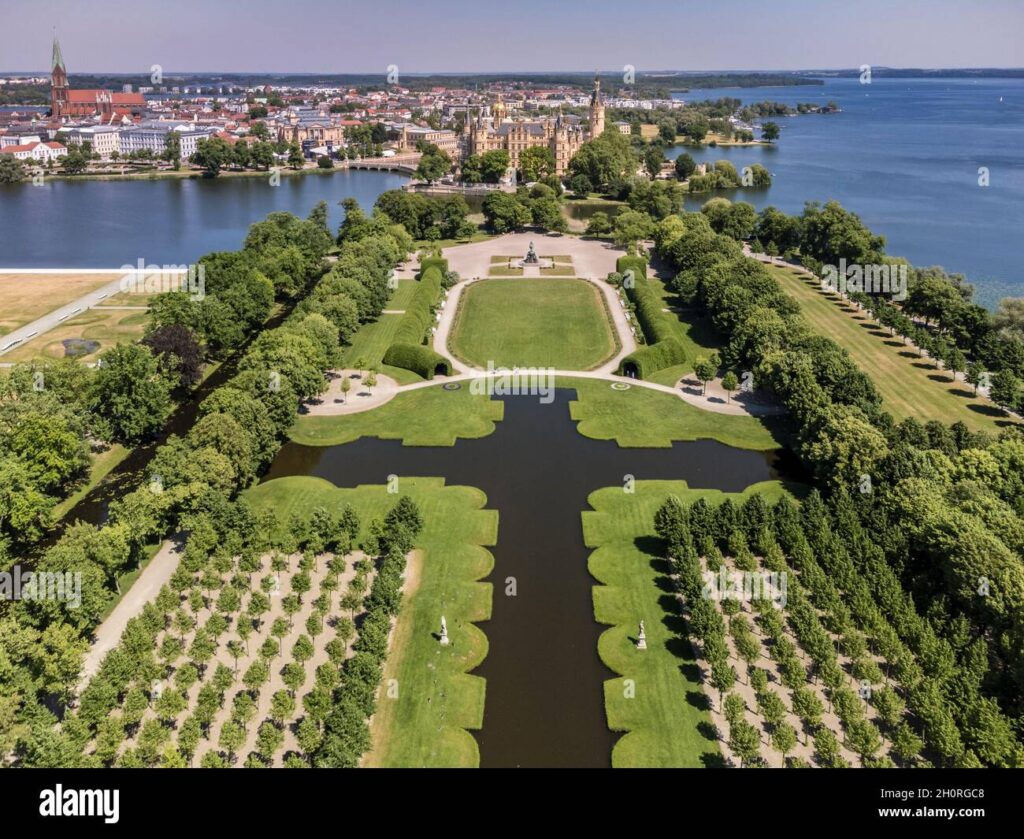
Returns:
point(536, 37)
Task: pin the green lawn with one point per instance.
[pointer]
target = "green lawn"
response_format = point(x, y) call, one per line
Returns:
point(437, 700)
point(665, 718)
point(910, 386)
point(639, 417)
point(692, 328)
point(370, 343)
point(401, 296)
point(430, 416)
point(533, 323)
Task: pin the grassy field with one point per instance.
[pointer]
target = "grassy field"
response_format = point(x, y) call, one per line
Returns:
point(639, 417)
point(665, 720)
point(533, 323)
point(910, 386)
point(25, 297)
point(370, 343)
point(104, 325)
point(437, 700)
point(402, 295)
point(430, 416)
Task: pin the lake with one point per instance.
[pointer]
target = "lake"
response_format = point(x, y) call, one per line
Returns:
point(904, 154)
point(165, 221)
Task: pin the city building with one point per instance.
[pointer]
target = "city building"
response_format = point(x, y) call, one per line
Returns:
point(65, 102)
point(494, 129)
point(153, 136)
point(41, 152)
point(104, 139)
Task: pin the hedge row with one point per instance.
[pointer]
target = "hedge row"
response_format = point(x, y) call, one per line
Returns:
point(654, 357)
point(419, 314)
point(649, 312)
point(418, 358)
point(636, 264)
point(438, 262)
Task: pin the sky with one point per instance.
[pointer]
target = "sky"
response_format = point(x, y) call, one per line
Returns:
point(420, 36)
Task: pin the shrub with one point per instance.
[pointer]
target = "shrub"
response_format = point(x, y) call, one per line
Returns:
point(438, 262)
point(419, 314)
point(636, 264)
point(653, 357)
point(419, 359)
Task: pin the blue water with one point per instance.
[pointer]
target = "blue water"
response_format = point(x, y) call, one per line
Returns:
point(107, 224)
point(904, 154)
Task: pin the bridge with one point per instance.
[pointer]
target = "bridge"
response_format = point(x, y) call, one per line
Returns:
point(405, 163)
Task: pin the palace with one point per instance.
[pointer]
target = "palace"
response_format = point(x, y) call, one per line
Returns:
point(65, 102)
point(494, 129)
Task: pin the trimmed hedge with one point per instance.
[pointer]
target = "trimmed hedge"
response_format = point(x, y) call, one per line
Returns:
point(654, 357)
point(417, 358)
point(636, 264)
point(438, 262)
point(649, 312)
point(419, 314)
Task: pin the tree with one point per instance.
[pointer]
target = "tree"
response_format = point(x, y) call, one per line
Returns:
point(730, 382)
point(213, 154)
point(770, 131)
point(179, 352)
point(685, 166)
point(232, 736)
point(784, 739)
point(295, 156)
point(705, 369)
point(75, 162)
point(269, 739)
point(632, 227)
point(172, 150)
point(282, 706)
point(975, 372)
point(599, 224)
point(535, 163)
point(346, 386)
point(12, 171)
point(493, 165)
point(1005, 390)
point(309, 736)
point(433, 164)
point(130, 393)
point(744, 741)
point(504, 212)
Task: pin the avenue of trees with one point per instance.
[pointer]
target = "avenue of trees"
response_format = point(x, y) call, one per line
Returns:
point(942, 505)
point(239, 429)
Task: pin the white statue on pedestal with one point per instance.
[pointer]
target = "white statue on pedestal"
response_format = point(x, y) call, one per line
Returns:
point(641, 641)
point(444, 632)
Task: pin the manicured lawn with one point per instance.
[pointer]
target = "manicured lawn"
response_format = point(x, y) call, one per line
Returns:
point(910, 386)
point(401, 296)
point(639, 417)
point(370, 343)
point(665, 718)
point(504, 271)
point(533, 323)
point(437, 700)
point(693, 330)
point(429, 416)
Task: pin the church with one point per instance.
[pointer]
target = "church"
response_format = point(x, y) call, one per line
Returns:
point(495, 129)
point(65, 102)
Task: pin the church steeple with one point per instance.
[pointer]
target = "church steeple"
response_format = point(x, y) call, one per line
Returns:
point(58, 82)
point(596, 109)
point(58, 59)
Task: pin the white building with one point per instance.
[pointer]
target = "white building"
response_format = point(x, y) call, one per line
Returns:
point(153, 136)
point(40, 152)
point(104, 139)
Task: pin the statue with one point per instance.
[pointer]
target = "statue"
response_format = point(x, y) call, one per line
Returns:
point(444, 632)
point(641, 641)
point(531, 256)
